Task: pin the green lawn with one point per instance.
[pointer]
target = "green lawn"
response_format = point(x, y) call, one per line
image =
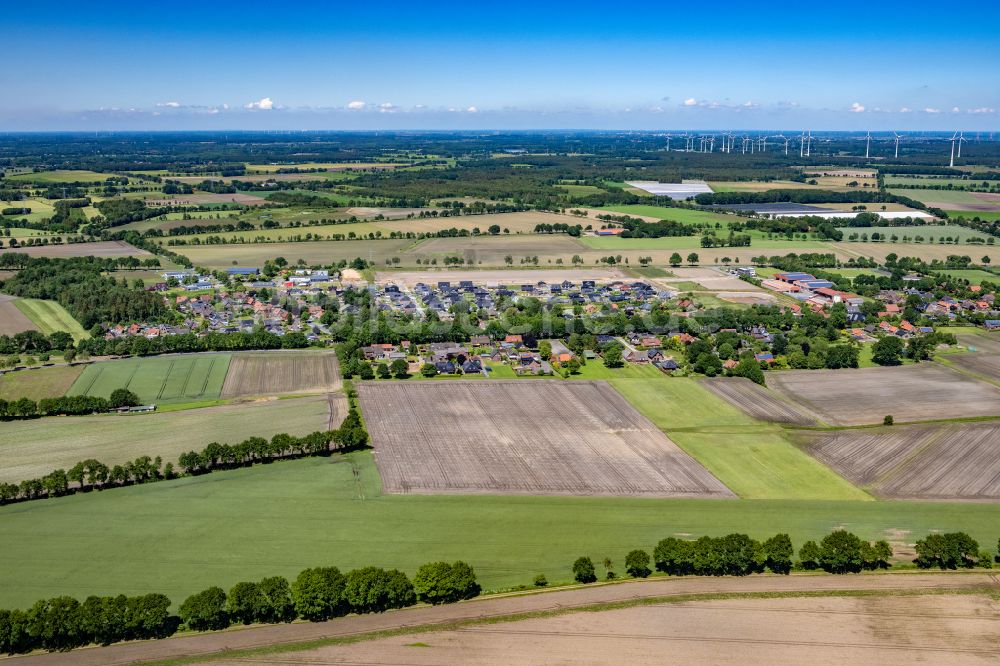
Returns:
point(182, 536)
point(595, 370)
point(157, 379)
point(50, 317)
point(755, 460)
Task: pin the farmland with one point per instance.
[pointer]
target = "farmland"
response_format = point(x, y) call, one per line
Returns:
point(921, 392)
point(317, 252)
point(758, 402)
point(177, 537)
point(278, 373)
point(38, 383)
point(954, 200)
point(159, 379)
point(35, 447)
point(95, 249)
point(951, 461)
point(49, 317)
point(12, 320)
point(541, 438)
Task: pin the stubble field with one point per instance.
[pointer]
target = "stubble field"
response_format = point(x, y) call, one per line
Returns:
point(922, 392)
point(12, 320)
point(278, 373)
point(98, 249)
point(542, 437)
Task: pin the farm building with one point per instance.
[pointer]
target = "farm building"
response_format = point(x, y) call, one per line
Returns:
point(609, 232)
point(248, 272)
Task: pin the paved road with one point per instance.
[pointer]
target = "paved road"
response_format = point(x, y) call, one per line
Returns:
point(251, 637)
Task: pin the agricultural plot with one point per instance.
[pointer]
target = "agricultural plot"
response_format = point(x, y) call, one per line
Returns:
point(61, 176)
point(493, 249)
point(279, 373)
point(318, 252)
point(49, 317)
point(987, 343)
point(927, 231)
point(159, 379)
point(488, 277)
point(97, 249)
point(921, 392)
point(12, 320)
point(515, 437)
point(38, 383)
point(979, 363)
point(35, 447)
point(957, 200)
point(952, 461)
point(203, 198)
point(758, 402)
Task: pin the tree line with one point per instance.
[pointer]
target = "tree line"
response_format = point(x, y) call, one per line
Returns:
point(67, 405)
point(317, 594)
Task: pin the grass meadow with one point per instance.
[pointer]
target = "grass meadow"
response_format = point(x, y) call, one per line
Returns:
point(179, 537)
point(37, 384)
point(50, 317)
point(159, 379)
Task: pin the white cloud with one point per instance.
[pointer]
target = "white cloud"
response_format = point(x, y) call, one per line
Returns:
point(690, 101)
point(387, 107)
point(356, 105)
point(955, 109)
point(265, 104)
point(749, 105)
point(905, 110)
point(982, 109)
point(932, 110)
point(169, 105)
point(472, 109)
point(225, 106)
point(857, 107)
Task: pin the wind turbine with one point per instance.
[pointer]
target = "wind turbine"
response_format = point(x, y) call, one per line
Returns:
point(746, 139)
point(961, 139)
point(668, 143)
point(868, 144)
point(951, 162)
point(896, 134)
point(809, 142)
point(802, 144)
point(785, 139)
point(763, 144)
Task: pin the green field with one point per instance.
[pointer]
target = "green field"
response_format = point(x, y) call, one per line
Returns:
point(320, 252)
point(684, 215)
point(982, 215)
point(34, 447)
point(928, 231)
point(38, 383)
point(974, 276)
point(159, 379)
point(909, 181)
point(688, 243)
point(62, 176)
point(952, 199)
point(753, 459)
point(182, 536)
point(50, 317)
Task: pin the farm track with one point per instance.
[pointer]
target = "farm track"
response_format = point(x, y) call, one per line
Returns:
point(485, 609)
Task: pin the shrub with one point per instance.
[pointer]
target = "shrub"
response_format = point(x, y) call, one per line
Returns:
point(246, 603)
point(205, 610)
point(947, 551)
point(541, 580)
point(637, 564)
point(318, 594)
point(583, 570)
point(443, 583)
point(374, 590)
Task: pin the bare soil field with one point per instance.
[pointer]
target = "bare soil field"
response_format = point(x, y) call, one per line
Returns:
point(98, 249)
point(957, 629)
point(758, 402)
point(985, 344)
point(980, 363)
point(278, 373)
point(13, 320)
point(515, 437)
point(951, 461)
point(493, 249)
point(317, 252)
point(209, 198)
point(512, 276)
point(921, 392)
point(747, 297)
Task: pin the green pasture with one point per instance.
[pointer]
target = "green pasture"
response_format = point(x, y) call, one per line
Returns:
point(688, 243)
point(989, 216)
point(38, 383)
point(909, 181)
point(974, 276)
point(955, 199)
point(179, 537)
point(62, 176)
point(157, 379)
point(928, 231)
point(50, 317)
point(683, 215)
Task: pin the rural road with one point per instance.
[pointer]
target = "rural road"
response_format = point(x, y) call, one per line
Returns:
point(252, 637)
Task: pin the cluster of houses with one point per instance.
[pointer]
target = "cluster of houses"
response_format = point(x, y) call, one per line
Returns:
point(477, 357)
point(815, 293)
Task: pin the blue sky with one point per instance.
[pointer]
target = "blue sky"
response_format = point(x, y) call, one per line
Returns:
point(441, 65)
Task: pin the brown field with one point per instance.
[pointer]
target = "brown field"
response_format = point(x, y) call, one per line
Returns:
point(316, 252)
point(951, 461)
point(492, 250)
point(889, 630)
point(544, 437)
point(13, 320)
point(513, 276)
point(98, 249)
point(986, 343)
point(921, 392)
point(758, 402)
point(980, 363)
point(38, 383)
point(275, 373)
point(201, 198)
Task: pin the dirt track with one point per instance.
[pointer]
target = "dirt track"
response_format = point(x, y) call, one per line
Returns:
point(208, 644)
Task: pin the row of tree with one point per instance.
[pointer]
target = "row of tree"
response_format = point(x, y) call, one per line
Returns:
point(317, 594)
point(67, 405)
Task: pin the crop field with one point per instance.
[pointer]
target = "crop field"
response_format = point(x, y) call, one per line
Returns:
point(276, 373)
point(97, 249)
point(987, 343)
point(541, 438)
point(953, 199)
point(49, 317)
point(34, 447)
point(975, 276)
point(511, 276)
point(952, 461)
point(925, 251)
point(910, 181)
point(492, 250)
point(983, 362)
point(920, 392)
point(158, 379)
point(319, 252)
point(688, 243)
point(203, 198)
point(928, 231)
point(683, 215)
point(12, 320)
point(61, 176)
point(38, 383)
point(179, 537)
point(758, 402)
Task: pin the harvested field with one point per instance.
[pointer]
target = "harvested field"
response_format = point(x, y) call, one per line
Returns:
point(980, 363)
point(885, 629)
point(493, 249)
point(35, 447)
point(951, 461)
point(985, 344)
point(202, 198)
point(12, 320)
point(279, 373)
point(98, 249)
point(318, 252)
point(512, 276)
point(921, 392)
point(539, 438)
point(758, 402)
